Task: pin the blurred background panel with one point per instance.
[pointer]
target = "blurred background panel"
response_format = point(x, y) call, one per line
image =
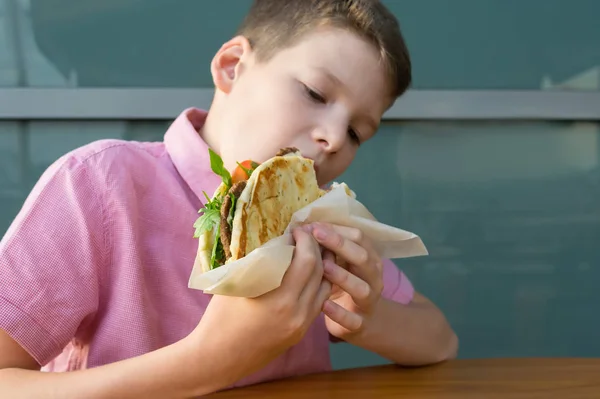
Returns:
point(509, 213)
point(455, 44)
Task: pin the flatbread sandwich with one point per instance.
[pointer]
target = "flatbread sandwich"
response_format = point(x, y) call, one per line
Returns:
point(253, 205)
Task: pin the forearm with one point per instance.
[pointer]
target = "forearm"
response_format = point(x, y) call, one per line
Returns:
point(415, 334)
point(171, 372)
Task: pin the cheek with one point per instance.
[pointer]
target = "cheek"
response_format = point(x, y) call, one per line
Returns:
point(280, 120)
point(267, 108)
point(266, 116)
point(337, 166)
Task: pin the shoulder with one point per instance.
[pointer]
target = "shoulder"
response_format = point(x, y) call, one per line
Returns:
point(87, 173)
point(105, 160)
point(111, 152)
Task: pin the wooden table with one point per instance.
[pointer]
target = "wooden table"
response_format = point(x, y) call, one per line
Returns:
point(465, 379)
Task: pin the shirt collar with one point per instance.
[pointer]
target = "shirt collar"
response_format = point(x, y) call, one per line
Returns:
point(189, 152)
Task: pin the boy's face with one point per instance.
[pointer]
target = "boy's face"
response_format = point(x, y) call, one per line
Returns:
point(325, 96)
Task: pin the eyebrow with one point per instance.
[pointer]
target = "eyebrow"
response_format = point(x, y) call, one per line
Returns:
point(336, 81)
point(330, 76)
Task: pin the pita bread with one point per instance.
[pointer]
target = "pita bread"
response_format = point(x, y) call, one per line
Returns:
point(274, 192)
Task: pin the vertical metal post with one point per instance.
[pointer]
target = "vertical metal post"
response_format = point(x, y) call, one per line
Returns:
point(14, 28)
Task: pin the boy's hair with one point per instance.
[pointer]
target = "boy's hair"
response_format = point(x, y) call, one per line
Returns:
point(272, 25)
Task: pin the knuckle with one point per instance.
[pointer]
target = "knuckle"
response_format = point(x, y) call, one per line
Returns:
point(309, 257)
point(342, 276)
point(283, 308)
point(362, 257)
point(363, 292)
point(377, 290)
point(357, 235)
point(337, 240)
point(296, 325)
point(296, 329)
point(378, 265)
point(360, 324)
point(357, 324)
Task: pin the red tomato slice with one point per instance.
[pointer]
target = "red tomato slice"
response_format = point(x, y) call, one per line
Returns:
point(239, 174)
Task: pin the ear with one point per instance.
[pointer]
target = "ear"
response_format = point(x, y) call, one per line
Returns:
point(227, 64)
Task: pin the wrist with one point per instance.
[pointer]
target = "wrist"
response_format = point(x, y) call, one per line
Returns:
point(220, 359)
point(208, 368)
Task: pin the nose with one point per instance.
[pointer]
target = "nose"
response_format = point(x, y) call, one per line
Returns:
point(330, 136)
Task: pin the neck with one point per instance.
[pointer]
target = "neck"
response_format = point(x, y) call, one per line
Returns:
point(209, 131)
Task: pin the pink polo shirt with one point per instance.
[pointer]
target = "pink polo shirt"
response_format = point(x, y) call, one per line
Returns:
point(94, 269)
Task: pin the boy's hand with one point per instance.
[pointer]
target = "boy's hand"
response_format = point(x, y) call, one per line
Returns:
point(357, 279)
point(253, 331)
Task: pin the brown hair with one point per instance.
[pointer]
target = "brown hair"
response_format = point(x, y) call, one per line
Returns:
point(272, 25)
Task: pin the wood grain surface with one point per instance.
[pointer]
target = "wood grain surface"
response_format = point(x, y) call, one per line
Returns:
point(522, 378)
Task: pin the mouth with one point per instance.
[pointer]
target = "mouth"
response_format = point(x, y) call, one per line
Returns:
point(315, 166)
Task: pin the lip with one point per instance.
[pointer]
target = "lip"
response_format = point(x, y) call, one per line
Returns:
point(315, 166)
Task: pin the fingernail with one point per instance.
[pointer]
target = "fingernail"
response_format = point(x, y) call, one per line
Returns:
point(308, 228)
point(320, 233)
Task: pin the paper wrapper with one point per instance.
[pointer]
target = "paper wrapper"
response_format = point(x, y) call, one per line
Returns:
point(262, 270)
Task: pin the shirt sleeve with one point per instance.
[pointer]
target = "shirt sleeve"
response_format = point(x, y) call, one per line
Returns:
point(396, 285)
point(49, 261)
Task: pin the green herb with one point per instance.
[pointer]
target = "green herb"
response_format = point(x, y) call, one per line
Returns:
point(253, 166)
point(218, 253)
point(211, 214)
point(216, 164)
point(244, 169)
point(231, 210)
point(210, 220)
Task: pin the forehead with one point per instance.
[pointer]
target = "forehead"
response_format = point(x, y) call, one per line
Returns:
point(342, 57)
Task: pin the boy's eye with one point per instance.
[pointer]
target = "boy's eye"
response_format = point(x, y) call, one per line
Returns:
point(314, 95)
point(354, 136)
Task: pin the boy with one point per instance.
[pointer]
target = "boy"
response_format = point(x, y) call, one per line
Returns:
point(95, 266)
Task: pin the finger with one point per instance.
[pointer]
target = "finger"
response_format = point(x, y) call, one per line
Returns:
point(349, 250)
point(357, 236)
point(339, 244)
point(307, 296)
point(328, 255)
point(358, 289)
point(341, 262)
point(350, 321)
point(303, 263)
point(322, 295)
point(310, 292)
point(352, 234)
